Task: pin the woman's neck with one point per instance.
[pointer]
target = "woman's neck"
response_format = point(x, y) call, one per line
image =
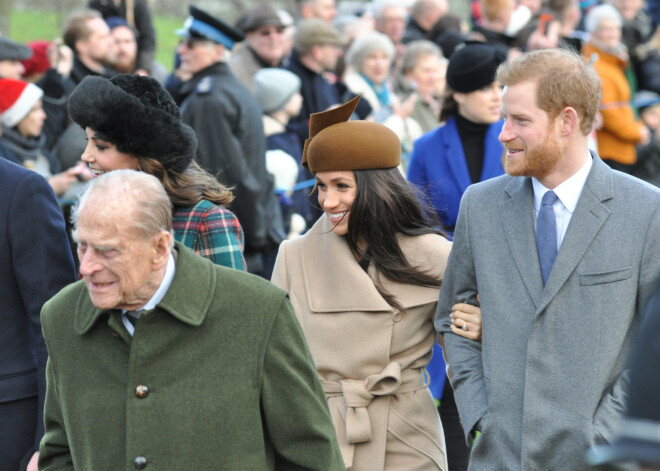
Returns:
point(280, 116)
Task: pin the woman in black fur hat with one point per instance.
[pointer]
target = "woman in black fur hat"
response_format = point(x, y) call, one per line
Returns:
point(132, 122)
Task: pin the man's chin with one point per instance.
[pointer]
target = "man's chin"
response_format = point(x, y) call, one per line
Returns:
point(124, 67)
point(512, 168)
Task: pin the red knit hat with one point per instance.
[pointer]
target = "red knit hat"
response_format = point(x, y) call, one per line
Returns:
point(39, 61)
point(16, 100)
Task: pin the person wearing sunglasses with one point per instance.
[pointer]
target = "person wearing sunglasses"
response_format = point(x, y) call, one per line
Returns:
point(265, 44)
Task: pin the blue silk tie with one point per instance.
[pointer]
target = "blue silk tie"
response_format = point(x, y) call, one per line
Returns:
point(546, 234)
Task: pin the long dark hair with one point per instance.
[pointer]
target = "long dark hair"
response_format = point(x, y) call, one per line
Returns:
point(449, 106)
point(190, 186)
point(386, 205)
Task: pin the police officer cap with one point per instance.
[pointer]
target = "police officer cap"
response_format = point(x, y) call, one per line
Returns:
point(473, 67)
point(13, 51)
point(202, 25)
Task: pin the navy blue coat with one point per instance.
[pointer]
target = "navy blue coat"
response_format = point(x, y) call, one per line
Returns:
point(438, 167)
point(35, 263)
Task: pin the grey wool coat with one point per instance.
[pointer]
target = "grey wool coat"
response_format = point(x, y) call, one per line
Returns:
point(227, 380)
point(548, 379)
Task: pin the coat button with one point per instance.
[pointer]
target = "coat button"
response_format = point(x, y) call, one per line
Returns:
point(397, 316)
point(141, 391)
point(140, 462)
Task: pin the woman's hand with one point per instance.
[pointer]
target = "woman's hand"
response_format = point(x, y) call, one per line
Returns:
point(466, 321)
point(62, 181)
point(404, 108)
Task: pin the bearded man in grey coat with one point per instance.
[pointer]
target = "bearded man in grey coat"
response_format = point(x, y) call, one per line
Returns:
point(561, 277)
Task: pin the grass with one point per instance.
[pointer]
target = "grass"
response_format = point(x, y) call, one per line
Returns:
point(29, 25)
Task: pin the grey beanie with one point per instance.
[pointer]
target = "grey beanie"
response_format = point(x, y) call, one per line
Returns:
point(274, 88)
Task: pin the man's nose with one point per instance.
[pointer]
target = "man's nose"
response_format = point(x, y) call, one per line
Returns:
point(88, 263)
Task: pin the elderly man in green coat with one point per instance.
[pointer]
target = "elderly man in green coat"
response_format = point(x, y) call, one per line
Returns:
point(160, 359)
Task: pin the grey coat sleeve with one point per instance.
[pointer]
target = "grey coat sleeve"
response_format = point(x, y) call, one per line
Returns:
point(463, 356)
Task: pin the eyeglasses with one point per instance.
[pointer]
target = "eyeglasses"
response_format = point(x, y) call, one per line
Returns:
point(271, 31)
point(190, 43)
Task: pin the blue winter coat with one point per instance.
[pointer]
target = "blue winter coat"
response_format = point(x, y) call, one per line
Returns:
point(438, 167)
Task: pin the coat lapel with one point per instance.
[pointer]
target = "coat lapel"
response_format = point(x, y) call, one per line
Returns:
point(589, 216)
point(194, 279)
point(332, 277)
point(456, 156)
point(517, 218)
point(493, 151)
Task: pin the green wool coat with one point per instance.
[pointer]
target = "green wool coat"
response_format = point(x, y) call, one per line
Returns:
point(230, 383)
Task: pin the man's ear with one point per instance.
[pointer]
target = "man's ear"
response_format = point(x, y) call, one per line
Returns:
point(218, 52)
point(162, 248)
point(568, 121)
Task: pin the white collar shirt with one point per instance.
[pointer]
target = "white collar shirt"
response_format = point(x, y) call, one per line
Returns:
point(568, 193)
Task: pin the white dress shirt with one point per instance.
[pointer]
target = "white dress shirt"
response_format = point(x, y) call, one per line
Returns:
point(568, 193)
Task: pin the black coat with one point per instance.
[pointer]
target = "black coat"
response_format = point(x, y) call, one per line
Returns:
point(35, 263)
point(232, 146)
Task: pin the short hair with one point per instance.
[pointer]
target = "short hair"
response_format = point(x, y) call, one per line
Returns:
point(367, 43)
point(491, 8)
point(562, 79)
point(379, 6)
point(416, 51)
point(560, 7)
point(600, 13)
point(422, 8)
point(138, 196)
point(76, 28)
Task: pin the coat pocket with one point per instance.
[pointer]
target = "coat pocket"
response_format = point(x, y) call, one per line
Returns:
point(588, 279)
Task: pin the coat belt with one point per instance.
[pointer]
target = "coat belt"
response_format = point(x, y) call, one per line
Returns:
point(358, 393)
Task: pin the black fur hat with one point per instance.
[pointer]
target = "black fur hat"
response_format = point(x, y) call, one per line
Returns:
point(136, 114)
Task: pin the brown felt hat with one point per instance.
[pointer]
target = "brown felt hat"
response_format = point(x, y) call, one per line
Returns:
point(336, 144)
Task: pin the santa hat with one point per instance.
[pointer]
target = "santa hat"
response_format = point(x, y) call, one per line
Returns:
point(16, 100)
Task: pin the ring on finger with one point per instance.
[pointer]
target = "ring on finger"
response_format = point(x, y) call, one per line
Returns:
point(464, 327)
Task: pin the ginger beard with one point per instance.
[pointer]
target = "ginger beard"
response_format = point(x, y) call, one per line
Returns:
point(538, 160)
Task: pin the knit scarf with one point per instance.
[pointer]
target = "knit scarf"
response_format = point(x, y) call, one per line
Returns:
point(27, 149)
point(381, 91)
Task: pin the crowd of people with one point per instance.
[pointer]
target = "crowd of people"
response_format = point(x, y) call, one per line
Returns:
point(372, 236)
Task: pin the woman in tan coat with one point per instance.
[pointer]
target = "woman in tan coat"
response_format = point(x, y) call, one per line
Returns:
point(364, 282)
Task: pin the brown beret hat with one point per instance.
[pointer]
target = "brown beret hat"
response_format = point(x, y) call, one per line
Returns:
point(336, 144)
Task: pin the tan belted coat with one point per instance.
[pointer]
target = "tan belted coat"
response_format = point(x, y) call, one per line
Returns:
point(369, 356)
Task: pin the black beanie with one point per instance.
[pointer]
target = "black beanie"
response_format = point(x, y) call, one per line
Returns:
point(136, 114)
point(473, 67)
